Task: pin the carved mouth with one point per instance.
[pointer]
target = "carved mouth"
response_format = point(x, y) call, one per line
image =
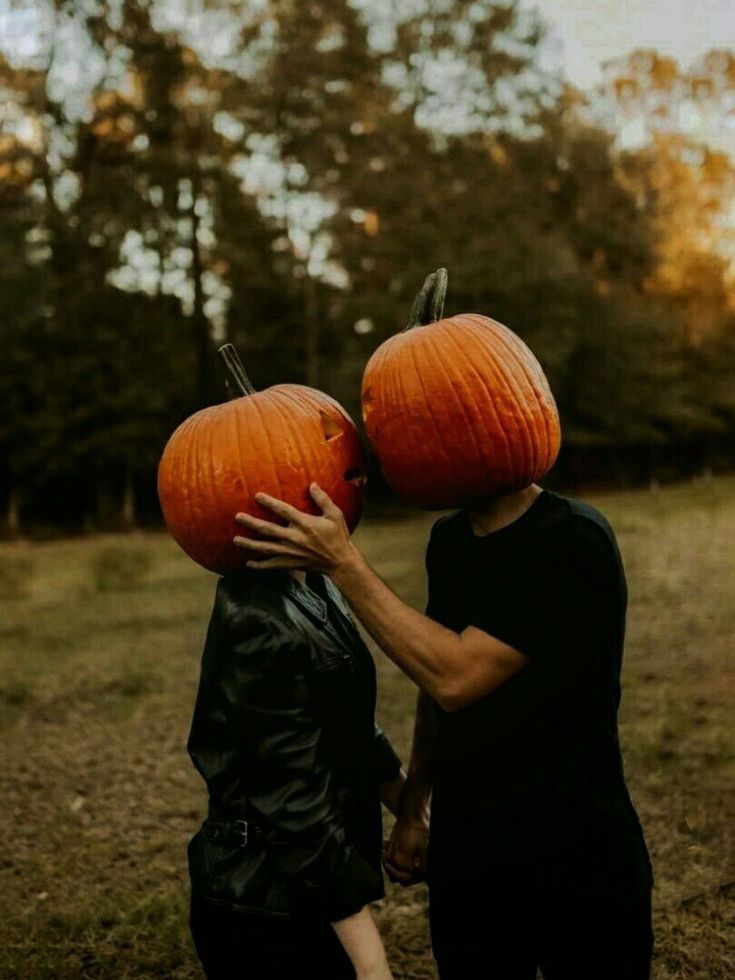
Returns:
point(356, 475)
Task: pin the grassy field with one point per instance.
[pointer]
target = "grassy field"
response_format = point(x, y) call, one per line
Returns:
point(99, 655)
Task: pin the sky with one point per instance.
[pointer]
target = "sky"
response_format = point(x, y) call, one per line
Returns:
point(586, 33)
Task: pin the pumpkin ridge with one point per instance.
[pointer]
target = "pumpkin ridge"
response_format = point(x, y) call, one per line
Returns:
point(457, 397)
point(513, 343)
point(514, 389)
point(429, 401)
point(386, 377)
point(378, 383)
point(186, 468)
point(269, 441)
point(501, 379)
point(238, 443)
point(295, 397)
point(214, 482)
point(491, 399)
point(304, 402)
point(193, 483)
point(181, 476)
point(512, 346)
point(203, 473)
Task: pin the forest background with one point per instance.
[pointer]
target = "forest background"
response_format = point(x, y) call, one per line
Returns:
point(283, 175)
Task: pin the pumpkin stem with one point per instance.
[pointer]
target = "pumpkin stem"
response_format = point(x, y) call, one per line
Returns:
point(428, 307)
point(238, 383)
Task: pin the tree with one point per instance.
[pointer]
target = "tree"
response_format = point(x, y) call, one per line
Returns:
point(22, 252)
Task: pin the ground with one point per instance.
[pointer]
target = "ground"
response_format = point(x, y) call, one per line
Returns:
point(98, 665)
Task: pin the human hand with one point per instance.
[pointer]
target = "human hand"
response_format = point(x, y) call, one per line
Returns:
point(404, 853)
point(320, 543)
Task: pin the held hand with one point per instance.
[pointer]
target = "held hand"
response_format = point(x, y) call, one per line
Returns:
point(320, 543)
point(404, 854)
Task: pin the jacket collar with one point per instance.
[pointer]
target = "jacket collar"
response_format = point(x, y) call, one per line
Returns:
point(307, 600)
point(343, 629)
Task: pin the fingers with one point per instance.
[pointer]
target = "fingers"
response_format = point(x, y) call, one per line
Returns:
point(402, 872)
point(281, 508)
point(265, 528)
point(272, 548)
point(400, 876)
point(324, 502)
point(274, 563)
point(287, 512)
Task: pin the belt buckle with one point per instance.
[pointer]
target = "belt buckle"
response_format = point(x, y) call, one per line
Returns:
point(241, 828)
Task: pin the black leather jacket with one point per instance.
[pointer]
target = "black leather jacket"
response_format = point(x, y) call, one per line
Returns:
point(284, 735)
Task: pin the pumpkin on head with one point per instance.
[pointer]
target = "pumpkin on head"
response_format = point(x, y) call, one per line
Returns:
point(458, 409)
point(278, 441)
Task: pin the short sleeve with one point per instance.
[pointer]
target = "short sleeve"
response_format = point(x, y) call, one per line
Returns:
point(433, 564)
point(566, 600)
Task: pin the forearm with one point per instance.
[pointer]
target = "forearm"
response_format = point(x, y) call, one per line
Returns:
point(361, 941)
point(454, 670)
point(429, 653)
point(391, 792)
point(417, 789)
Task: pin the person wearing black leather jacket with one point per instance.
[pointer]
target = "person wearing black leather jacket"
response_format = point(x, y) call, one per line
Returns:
point(284, 735)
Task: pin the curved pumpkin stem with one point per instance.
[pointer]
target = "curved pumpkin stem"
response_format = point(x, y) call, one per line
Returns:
point(238, 383)
point(428, 307)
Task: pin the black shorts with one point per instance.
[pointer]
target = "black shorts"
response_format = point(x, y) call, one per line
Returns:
point(481, 932)
point(238, 946)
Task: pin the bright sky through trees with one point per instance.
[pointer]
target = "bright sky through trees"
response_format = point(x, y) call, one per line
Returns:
point(586, 33)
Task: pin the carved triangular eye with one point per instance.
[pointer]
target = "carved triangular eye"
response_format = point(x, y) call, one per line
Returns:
point(330, 428)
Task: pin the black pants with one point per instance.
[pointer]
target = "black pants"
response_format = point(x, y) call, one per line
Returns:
point(480, 932)
point(236, 946)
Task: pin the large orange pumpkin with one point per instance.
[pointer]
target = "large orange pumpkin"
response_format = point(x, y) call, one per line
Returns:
point(457, 410)
point(278, 441)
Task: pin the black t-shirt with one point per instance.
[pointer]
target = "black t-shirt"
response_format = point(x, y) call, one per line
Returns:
point(529, 779)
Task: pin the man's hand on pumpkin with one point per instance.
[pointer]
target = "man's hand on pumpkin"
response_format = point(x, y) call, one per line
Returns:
point(320, 543)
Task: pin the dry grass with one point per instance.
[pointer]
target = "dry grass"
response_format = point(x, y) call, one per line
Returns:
point(97, 684)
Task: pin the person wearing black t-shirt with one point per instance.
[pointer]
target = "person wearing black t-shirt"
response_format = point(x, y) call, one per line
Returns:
point(536, 857)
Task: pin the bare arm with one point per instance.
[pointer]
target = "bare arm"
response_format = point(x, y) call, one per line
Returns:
point(405, 852)
point(453, 669)
point(417, 791)
point(361, 941)
point(391, 792)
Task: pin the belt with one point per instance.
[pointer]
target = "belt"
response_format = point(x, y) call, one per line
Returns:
point(232, 833)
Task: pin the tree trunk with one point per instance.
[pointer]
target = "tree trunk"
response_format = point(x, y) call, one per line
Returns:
point(311, 326)
point(202, 336)
point(127, 512)
point(12, 514)
point(106, 510)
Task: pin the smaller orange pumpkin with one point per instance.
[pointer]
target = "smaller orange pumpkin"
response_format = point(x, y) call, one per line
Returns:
point(278, 441)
